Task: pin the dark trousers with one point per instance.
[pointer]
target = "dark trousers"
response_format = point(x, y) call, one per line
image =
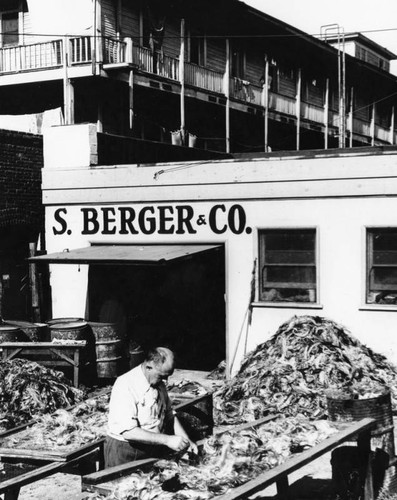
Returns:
point(121, 452)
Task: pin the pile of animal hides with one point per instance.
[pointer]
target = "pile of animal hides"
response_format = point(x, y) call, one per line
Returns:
point(63, 430)
point(306, 359)
point(28, 390)
point(226, 460)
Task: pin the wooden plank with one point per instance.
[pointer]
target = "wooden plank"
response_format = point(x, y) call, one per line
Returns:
point(30, 477)
point(57, 456)
point(296, 462)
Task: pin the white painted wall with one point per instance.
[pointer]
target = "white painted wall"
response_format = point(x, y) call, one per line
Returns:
point(339, 196)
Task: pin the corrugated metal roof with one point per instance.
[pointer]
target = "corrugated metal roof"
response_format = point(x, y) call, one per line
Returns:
point(124, 254)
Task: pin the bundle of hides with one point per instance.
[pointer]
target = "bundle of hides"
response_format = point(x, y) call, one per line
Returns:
point(64, 430)
point(291, 373)
point(28, 390)
point(227, 460)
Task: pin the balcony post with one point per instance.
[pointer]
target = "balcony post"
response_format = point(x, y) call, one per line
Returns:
point(372, 127)
point(391, 140)
point(227, 94)
point(326, 113)
point(68, 90)
point(131, 98)
point(351, 117)
point(298, 108)
point(265, 104)
point(182, 80)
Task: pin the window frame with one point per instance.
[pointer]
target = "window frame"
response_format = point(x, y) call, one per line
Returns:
point(202, 47)
point(260, 301)
point(3, 34)
point(368, 235)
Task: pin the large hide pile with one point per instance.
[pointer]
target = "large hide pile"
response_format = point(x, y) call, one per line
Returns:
point(28, 390)
point(291, 373)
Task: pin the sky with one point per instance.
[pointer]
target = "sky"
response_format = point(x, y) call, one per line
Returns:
point(365, 16)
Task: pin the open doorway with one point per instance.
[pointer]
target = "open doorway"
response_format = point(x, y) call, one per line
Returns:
point(179, 304)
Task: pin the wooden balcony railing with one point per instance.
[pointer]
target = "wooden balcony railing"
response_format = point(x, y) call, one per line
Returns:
point(50, 54)
point(312, 113)
point(245, 91)
point(204, 78)
point(29, 57)
point(282, 104)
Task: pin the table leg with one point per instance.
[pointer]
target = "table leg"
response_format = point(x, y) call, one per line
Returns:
point(12, 494)
point(283, 488)
point(76, 367)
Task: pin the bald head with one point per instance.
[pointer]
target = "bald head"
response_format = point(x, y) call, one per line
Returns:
point(158, 365)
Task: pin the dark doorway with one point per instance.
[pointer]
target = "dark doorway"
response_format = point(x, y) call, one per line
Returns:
point(180, 305)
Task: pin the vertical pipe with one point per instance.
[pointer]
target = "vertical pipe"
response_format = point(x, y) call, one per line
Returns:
point(392, 118)
point(66, 82)
point(34, 289)
point(227, 94)
point(131, 99)
point(351, 117)
point(373, 124)
point(265, 104)
point(182, 80)
point(298, 108)
point(326, 113)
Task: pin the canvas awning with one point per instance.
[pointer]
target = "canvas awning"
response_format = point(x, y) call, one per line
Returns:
point(123, 254)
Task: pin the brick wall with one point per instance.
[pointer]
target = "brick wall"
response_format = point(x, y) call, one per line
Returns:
point(21, 161)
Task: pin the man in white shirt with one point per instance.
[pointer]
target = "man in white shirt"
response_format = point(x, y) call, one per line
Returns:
point(141, 421)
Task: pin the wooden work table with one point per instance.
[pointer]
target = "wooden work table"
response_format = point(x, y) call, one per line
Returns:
point(47, 353)
point(103, 481)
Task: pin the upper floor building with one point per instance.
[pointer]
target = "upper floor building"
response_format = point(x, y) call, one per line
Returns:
point(216, 74)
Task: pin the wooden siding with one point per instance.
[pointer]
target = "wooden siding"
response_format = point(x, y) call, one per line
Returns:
point(171, 41)
point(109, 18)
point(130, 21)
point(216, 54)
point(254, 67)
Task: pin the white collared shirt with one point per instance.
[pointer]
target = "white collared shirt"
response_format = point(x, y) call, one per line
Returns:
point(134, 403)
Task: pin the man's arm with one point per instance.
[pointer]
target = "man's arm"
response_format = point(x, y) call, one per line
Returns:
point(180, 431)
point(174, 442)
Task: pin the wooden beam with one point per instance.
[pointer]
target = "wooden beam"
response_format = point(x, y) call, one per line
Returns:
point(298, 108)
point(265, 104)
point(33, 284)
point(326, 113)
point(227, 94)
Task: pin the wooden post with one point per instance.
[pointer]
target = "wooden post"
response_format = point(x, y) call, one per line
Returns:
point(326, 114)
point(391, 140)
point(373, 125)
point(68, 90)
point(226, 85)
point(131, 98)
point(34, 289)
point(298, 108)
point(265, 104)
point(182, 81)
point(351, 108)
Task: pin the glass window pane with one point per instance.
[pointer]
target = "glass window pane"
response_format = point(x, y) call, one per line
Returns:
point(289, 295)
point(384, 276)
point(287, 265)
point(290, 274)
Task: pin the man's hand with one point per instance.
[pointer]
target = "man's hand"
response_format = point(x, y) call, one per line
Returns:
point(177, 443)
point(193, 448)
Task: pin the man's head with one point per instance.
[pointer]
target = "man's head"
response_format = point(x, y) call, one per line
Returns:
point(158, 365)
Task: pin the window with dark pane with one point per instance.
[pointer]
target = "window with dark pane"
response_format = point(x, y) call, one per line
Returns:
point(9, 29)
point(287, 264)
point(382, 266)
